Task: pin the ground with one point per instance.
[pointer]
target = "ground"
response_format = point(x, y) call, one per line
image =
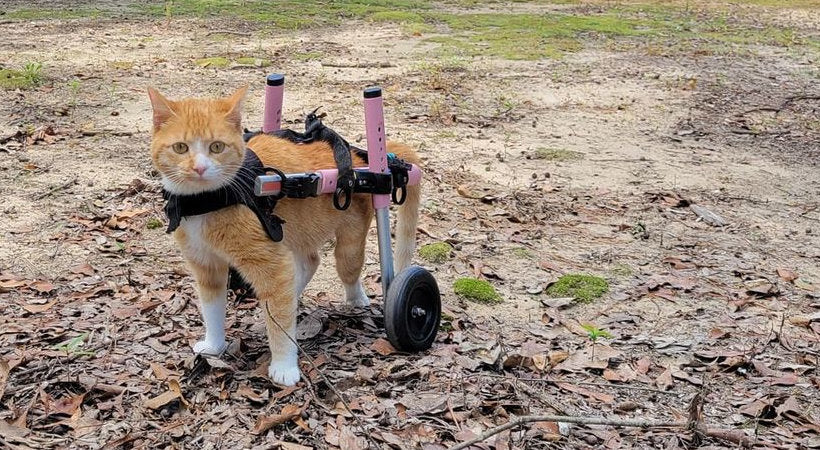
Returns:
point(668, 147)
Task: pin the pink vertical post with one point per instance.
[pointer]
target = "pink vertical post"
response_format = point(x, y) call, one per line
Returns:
point(377, 162)
point(376, 145)
point(274, 91)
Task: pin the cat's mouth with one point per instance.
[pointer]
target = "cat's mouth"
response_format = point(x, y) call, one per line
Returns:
point(192, 184)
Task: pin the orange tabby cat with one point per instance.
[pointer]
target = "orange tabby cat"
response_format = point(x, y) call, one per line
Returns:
point(197, 146)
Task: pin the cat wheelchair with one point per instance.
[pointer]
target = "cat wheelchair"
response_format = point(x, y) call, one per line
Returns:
point(412, 301)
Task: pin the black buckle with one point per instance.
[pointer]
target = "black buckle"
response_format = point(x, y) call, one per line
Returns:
point(301, 186)
point(372, 183)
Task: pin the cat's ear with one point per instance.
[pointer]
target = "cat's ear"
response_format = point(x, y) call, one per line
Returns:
point(234, 103)
point(162, 108)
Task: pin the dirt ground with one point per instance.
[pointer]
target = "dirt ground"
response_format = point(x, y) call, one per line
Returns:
point(594, 163)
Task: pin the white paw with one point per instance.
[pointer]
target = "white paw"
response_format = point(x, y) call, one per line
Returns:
point(355, 296)
point(209, 348)
point(359, 301)
point(284, 372)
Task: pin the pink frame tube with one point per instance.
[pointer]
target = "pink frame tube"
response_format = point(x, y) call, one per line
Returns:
point(376, 144)
point(274, 93)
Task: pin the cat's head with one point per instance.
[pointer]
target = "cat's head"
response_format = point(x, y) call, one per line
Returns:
point(197, 144)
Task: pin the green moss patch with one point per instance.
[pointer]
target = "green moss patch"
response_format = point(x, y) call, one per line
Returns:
point(436, 253)
point(217, 62)
point(153, 223)
point(251, 61)
point(478, 291)
point(584, 288)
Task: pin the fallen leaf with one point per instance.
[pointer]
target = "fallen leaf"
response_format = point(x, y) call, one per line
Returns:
point(82, 269)
point(266, 422)
point(642, 365)
point(600, 396)
point(786, 274)
point(161, 400)
point(679, 262)
point(383, 347)
point(762, 288)
point(8, 285)
point(788, 379)
point(4, 376)
point(34, 309)
point(67, 405)
point(42, 287)
point(248, 392)
point(349, 441)
point(664, 380)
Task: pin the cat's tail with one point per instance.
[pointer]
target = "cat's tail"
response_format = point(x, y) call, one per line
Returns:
point(408, 219)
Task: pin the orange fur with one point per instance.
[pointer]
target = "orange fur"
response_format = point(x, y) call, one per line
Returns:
point(278, 271)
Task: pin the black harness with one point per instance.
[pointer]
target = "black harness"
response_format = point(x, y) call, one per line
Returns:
point(239, 191)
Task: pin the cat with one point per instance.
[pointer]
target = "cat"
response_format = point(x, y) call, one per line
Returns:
point(197, 146)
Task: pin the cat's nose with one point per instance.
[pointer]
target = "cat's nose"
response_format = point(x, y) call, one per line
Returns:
point(200, 170)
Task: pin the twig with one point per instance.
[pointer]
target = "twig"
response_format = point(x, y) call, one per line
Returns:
point(51, 191)
point(324, 377)
point(587, 383)
point(375, 65)
point(638, 423)
point(238, 33)
point(545, 398)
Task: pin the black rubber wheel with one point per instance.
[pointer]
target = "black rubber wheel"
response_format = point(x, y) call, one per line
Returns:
point(412, 310)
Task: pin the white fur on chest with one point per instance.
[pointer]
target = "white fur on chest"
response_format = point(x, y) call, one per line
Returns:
point(196, 246)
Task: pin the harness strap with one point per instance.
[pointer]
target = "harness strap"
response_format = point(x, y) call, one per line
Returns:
point(238, 191)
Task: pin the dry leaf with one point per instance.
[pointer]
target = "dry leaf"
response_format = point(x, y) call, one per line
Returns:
point(159, 371)
point(600, 396)
point(34, 309)
point(161, 400)
point(643, 365)
point(67, 405)
point(786, 274)
point(4, 376)
point(42, 287)
point(8, 285)
point(664, 380)
point(82, 269)
point(383, 347)
point(266, 422)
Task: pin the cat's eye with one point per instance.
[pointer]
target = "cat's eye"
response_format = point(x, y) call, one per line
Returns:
point(180, 147)
point(217, 147)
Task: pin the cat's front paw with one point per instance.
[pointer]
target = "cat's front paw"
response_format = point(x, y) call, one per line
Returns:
point(355, 296)
point(210, 348)
point(284, 372)
point(359, 301)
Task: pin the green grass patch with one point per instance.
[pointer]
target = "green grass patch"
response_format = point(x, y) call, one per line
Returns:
point(478, 291)
point(621, 270)
point(252, 61)
point(28, 77)
point(584, 288)
point(436, 253)
point(522, 253)
point(153, 223)
point(306, 56)
point(396, 16)
point(52, 14)
point(557, 154)
point(217, 62)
